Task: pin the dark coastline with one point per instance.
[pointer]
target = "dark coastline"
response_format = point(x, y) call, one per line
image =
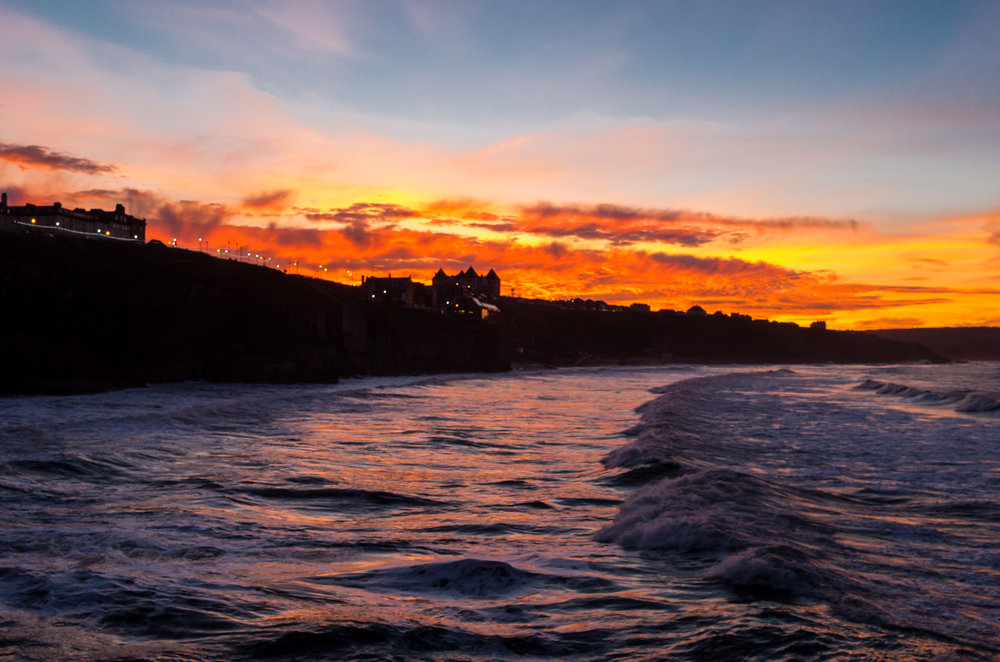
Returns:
point(83, 315)
point(960, 343)
point(552, 335)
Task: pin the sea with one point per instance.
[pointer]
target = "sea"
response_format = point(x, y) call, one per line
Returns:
point(613, 513)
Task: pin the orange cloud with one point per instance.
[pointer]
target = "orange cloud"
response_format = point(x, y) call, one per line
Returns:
point(376, 238)
point(269, 200)
point(552, 270)
point(361, 212)
point(622, 225)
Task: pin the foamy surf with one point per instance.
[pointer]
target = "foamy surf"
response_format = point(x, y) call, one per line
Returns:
point(771, 515)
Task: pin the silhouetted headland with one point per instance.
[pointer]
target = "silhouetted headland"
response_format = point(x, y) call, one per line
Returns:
point(960, 343)
point(562, 335)
point(84, 315)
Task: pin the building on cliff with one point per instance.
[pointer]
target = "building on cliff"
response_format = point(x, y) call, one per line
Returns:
point(467, 283)
point(399, 291)
point(471, 307)
point(54, 218)
point(442, 294)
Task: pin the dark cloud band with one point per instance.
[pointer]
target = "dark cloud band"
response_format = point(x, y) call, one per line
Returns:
point(36, 156)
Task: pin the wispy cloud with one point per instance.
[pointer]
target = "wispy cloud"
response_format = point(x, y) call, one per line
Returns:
point(361, 212)
point(36, 156)
point(555, 269)
point(622, 225)
point(269, 200)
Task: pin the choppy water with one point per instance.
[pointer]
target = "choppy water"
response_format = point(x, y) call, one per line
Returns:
point(796, 515)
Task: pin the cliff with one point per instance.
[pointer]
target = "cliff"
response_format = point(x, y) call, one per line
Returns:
point(84, 314)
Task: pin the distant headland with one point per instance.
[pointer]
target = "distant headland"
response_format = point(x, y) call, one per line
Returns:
point(82, 314)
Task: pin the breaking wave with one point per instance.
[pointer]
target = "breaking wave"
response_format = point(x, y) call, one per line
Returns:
point(773, 515)
point(769, 486)
point(964, 401)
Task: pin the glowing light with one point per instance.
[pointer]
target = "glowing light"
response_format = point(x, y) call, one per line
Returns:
point(32, 220)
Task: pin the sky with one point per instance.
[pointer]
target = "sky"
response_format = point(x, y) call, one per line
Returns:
point(789, 160)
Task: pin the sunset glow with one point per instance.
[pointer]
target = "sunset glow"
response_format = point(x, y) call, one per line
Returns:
point(794, 162)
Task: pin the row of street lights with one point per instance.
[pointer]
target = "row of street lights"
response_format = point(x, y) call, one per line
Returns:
point(244, 254)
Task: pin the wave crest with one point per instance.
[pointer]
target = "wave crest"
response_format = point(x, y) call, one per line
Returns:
point(965, 401)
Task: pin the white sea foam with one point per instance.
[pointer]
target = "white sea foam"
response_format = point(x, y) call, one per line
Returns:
point(787, 487)
point(777, 512)
point(965, 401)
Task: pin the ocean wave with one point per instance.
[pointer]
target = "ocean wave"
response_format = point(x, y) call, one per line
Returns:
point(779, 567)
point(766, 484)
point(469, 578)
point(675, 425)
point(644, 473)
point(67, 466)
point(465, 577)
point(730, 520)
point(336, 496)
point(122, 604)
point(965, 401)
point(368, 641)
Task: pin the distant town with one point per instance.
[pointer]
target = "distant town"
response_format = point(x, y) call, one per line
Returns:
point(55, 218)
point(466, 293)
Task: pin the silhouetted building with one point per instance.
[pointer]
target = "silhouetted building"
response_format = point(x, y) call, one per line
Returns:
point(471, 307)
point(696, 311)
point(81, 222)
point(399, 291)
point(464, 294)
point(448, 289)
